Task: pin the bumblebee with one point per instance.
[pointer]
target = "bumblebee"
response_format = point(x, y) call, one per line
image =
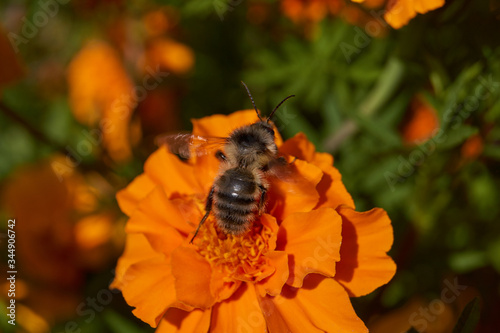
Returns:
point(247, 157)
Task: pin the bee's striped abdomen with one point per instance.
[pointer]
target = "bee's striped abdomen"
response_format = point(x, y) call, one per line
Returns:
point(235, 206)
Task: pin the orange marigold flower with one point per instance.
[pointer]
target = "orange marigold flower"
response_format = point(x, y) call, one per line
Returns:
point(293, 270)
point(399, 12)
point(100, 92)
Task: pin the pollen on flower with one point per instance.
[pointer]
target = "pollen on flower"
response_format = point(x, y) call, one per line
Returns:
point(239, 257)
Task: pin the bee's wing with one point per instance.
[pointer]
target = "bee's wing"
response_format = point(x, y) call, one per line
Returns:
point(187, 144)
point(281, 169)
point(290, 176)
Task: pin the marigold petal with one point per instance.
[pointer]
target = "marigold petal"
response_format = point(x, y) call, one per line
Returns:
point(299, 147)
point(331, 190)
point(177, 320)
point(272, 284)
point(312, 241)
point(240, 313)
point(423, 6)
point(366, 238)
point(160, 221)
point(137, 249)
point(322, 160)
point(206, 169)
point(321, 305)
point(270, 222)
point(174, 175)
point(221, 288)
point(297, 194)
point(400, 12)
point(192, 278)
point(219, 125)
point(129, 197)
point(149, 286)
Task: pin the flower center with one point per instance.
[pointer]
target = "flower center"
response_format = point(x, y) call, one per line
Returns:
point(241, 257)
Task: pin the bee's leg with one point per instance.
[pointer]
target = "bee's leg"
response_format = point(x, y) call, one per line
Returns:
point(208, 209)
point(220, 156)
point(262, 201)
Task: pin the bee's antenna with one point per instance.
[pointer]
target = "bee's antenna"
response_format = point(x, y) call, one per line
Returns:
point(251, 98)
point(277, 106)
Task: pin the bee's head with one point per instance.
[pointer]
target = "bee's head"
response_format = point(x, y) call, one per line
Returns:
point(254, 144)
point(255, 139)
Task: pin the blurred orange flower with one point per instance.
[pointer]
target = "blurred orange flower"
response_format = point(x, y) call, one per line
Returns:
point(62, 233)
point(101, 93)
point(400, 320)
point(159, 21)
point(310, 12)
point(167, 54)
point(399, 12)
point(422, 122)
point(294, 269)
point(438, 315)
point(162, 52)
point(473, 147)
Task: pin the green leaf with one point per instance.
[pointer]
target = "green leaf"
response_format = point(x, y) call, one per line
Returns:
point(58, 121)
point(493, 113)
point(455, 136)
point(387, 83)
point(16, 148)
point(394, 111)
point(468, 261)
point(469, 318)
point(332, 115)
point(4, 325)
point(387, 135)
point(205, 8)
point(119, 324)
point(492, 152)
